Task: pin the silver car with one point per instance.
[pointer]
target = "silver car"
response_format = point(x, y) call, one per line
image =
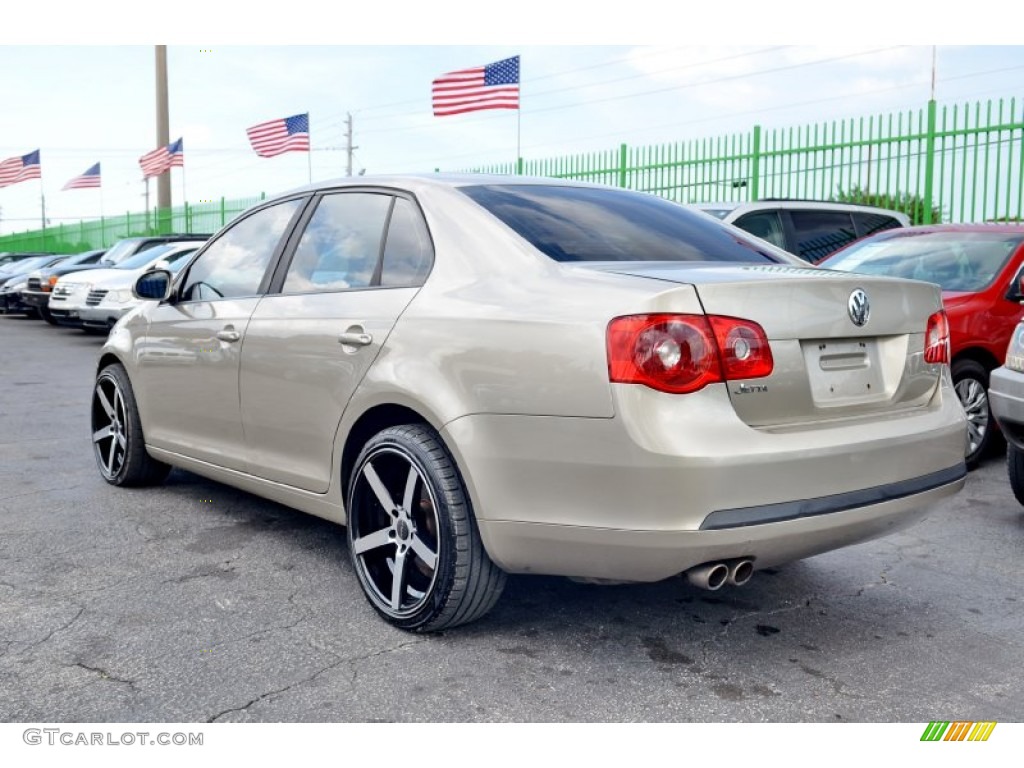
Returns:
point(486, 375)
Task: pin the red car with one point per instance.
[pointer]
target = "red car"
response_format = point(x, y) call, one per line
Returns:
point(978, 267)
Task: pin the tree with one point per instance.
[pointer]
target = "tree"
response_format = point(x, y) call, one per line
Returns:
point(912, 205)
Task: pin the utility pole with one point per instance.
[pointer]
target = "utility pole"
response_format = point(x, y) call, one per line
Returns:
point(163, 131)
point(349, 148)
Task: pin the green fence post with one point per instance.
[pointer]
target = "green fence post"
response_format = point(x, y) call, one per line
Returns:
point(222, 212)
point(519, 166)
point(755, 165)
point(929, 160)
point(623, 159)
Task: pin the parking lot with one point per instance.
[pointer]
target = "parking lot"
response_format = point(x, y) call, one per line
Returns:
point(194, 602)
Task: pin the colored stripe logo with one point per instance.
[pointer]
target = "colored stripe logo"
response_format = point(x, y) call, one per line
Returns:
point(958, 731)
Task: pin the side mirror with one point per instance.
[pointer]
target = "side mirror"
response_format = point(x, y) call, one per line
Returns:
point(1016, 291)
point(153, 285)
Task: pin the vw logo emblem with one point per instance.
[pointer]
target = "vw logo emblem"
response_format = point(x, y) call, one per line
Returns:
point(859, 307)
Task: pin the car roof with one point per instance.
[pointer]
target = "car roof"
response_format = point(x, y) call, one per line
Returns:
point(798, 205)
point(998, 227)
point(422, 181)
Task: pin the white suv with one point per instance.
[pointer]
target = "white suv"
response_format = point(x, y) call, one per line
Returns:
point(812, 230)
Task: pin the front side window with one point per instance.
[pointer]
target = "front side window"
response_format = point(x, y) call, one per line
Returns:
point(341, 245)
point(234, 263)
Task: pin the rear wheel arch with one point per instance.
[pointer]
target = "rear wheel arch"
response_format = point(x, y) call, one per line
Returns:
point(370, 423)
point(981, 356)
point(108, 358)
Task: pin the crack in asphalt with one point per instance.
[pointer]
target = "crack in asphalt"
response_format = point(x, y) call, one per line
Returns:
point(38, 491)
point(364, 657)
point(339, 661)
point(105, 675)
point(706, 644)
point(262, 696)
point(104, 588)
point(81, 610)
point(882, 581)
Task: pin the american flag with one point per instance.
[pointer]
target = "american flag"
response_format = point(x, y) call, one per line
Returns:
point(275, 137)
point(162, 159)
point(88, 180)
point(176, 150)
point(494, 86)
point(20, 168)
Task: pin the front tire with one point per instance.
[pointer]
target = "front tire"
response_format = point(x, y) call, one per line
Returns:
point(970, 380)
point(117, 439)
point(1015, 469)
point(412, 536)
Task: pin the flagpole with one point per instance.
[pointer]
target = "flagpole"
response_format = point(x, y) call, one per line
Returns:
point(184, 199)
point(519, 151)
point(42, 209)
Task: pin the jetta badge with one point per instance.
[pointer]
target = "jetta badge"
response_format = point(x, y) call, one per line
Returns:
point(859, 307)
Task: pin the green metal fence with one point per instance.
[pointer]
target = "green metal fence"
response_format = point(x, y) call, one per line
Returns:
point(100, 233)
point(954, 163)
point(951, 163)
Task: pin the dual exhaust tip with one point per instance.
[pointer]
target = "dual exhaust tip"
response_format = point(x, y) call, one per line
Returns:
point(714, 576)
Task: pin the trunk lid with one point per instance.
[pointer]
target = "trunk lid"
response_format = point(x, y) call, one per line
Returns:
point(826, 366)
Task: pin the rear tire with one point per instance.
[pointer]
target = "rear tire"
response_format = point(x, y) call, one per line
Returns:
point(117, 439)
point(412, 535)
point(970, 380)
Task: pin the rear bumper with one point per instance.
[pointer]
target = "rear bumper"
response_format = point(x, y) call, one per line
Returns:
point(626, 555)
point(641, 501)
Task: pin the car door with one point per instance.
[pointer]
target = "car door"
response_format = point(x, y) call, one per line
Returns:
point(188, 363)
point(358, 263)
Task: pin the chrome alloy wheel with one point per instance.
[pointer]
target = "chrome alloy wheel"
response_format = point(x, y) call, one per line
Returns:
point(974, 399)
point(109, 427)
point(393, 527)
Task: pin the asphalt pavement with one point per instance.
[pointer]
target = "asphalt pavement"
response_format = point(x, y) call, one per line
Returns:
point(194, 602)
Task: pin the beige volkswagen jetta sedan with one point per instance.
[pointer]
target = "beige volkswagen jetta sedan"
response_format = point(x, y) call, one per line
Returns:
point(490, 375)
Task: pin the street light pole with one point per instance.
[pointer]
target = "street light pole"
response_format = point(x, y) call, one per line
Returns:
point(163, 131)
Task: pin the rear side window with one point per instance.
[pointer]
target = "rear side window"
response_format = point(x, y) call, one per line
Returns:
point(819, 233)
point(869, 223)
point(340, 247)
point(596, 224)
point(407, 251)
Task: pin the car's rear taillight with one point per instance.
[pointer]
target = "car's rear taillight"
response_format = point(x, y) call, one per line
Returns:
point(743, 346)
point(684, 353)
point(936, 339)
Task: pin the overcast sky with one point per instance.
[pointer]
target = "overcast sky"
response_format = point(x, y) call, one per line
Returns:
point(693, 78)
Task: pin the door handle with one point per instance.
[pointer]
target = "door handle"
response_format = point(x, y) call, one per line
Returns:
point(355, 339)
point(229, 334)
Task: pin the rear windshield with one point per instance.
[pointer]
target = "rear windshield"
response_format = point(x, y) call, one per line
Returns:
point(596, 224)
point(957, 261)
